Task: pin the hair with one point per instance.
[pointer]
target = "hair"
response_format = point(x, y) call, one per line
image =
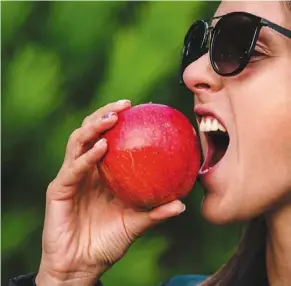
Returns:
point(287, 4)
point(287, 7)
point(248, 264)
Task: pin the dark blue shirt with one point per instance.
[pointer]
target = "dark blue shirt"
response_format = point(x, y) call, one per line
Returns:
point(185, 280)
point(181, 280)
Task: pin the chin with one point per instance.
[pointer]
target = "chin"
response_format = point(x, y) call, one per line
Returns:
point(220, 211)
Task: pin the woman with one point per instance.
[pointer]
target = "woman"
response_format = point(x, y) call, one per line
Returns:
point(245, 89)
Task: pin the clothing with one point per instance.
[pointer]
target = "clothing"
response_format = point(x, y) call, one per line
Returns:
point(181, 280)
point(29, 280)
point(185, 280)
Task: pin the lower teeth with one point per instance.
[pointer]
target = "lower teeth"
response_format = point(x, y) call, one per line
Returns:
point(206, 171)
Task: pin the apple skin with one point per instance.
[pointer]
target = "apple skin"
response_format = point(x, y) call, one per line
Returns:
point(153, 156)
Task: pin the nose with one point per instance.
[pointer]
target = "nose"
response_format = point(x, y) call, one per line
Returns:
point(201, 79)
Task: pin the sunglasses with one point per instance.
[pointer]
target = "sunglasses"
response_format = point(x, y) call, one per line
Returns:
point(230, 43)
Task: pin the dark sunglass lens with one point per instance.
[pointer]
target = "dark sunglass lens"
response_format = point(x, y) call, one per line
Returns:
point(193, 44)
point(232, 42)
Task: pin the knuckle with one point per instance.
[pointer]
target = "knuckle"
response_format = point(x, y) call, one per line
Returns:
point(79, 165)
point(86, 120)
point(52, 185)
point(51, 188)
point(74, 169)
point(107, 108)
point(108, 105)
point(86, 163)
point(74, 165)
point(75, 135)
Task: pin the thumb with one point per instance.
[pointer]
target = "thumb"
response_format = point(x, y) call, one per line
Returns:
point(144, 220)
point(168, 210)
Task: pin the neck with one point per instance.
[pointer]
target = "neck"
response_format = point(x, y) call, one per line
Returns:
point(279, 246)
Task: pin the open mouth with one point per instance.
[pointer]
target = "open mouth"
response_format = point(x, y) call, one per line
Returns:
point(217, 139)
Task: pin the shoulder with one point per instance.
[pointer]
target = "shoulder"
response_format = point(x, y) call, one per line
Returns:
point(185, 280)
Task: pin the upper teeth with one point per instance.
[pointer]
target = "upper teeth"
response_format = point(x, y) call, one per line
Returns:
point(209, 123)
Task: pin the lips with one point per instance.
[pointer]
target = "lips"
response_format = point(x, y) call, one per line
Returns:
point(216, 142)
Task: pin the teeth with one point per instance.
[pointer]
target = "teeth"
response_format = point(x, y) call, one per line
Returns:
point(205, 171)
point(209, 123)
point(214, 125)
point(221, 128)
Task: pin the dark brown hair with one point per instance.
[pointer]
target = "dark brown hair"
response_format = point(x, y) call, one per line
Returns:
point(247, 267)
point(287, 4)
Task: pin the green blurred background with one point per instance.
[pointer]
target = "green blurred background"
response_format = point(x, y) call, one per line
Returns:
point(60, 62)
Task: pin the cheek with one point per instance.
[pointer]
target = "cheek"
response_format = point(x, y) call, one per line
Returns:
point(263, 125)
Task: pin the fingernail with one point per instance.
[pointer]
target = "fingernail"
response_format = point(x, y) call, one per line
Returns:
point(108, 115)
point(183, 208)
point(124, 101)
point(101, 142)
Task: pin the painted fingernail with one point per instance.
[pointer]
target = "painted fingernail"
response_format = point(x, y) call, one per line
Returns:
point(108, 115)
point(124, 101)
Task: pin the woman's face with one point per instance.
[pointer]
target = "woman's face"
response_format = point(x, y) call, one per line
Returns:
point(254, 175)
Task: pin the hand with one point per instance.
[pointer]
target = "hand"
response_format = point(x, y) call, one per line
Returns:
point(86, 229)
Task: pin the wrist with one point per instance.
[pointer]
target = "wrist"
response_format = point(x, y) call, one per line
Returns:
point(48, 278)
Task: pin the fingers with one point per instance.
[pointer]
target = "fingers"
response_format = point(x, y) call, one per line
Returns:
point(99, 121)
point(80, 155)
point(166, 211)
point(117, 107)
point(84, 163)
point(141, 221)
point(80, 138)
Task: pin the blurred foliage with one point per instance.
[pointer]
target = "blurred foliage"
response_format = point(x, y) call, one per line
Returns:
point(60, 62)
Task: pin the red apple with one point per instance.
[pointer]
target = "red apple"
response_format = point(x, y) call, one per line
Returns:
point(153, 156)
